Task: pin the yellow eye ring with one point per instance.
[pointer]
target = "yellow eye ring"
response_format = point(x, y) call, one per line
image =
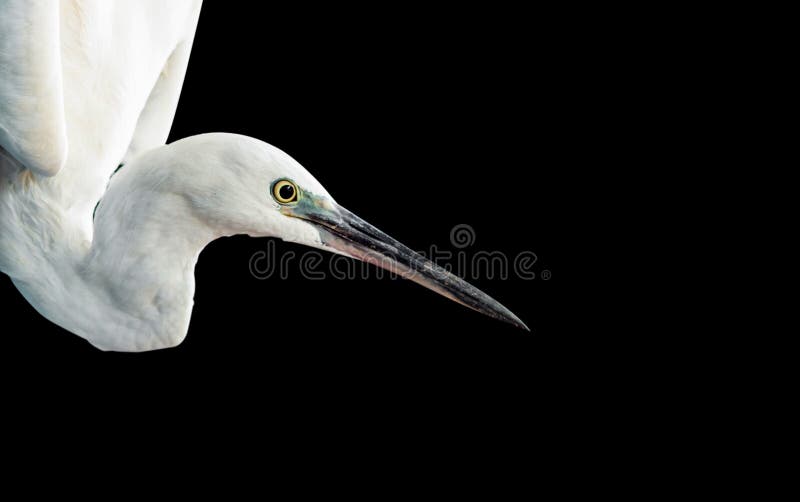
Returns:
point(285, 192)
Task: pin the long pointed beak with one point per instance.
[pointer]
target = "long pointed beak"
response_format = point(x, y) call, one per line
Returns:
point(348, 234)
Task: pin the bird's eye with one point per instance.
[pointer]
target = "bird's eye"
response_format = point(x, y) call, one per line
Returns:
point(285, 192)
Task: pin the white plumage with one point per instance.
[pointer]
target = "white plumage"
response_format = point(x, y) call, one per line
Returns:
point(88, 84)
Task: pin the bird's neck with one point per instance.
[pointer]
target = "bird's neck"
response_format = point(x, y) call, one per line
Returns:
point(144, 253)
point(132, 289)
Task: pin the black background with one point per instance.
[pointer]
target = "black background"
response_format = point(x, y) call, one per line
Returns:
point(417, 121)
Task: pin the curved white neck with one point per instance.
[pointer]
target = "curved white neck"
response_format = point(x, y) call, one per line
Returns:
point(132, 288)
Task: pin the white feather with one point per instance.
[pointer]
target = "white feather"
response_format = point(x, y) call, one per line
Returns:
point(83, 84)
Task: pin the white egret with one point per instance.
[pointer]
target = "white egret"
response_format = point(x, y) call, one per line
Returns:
point(88, 85)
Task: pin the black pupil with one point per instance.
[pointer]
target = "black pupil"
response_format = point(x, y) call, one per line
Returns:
point(286, 192)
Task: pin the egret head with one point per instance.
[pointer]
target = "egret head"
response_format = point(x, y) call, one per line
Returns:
point(238, 184)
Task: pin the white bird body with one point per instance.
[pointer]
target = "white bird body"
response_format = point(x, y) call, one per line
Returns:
point(95, 82)
point(131, 288)
point(88, 84)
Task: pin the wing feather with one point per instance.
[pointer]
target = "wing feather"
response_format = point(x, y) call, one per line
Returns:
point(32, 122)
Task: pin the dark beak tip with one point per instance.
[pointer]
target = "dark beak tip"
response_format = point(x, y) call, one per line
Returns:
point(504, 314)
point(516, 322)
